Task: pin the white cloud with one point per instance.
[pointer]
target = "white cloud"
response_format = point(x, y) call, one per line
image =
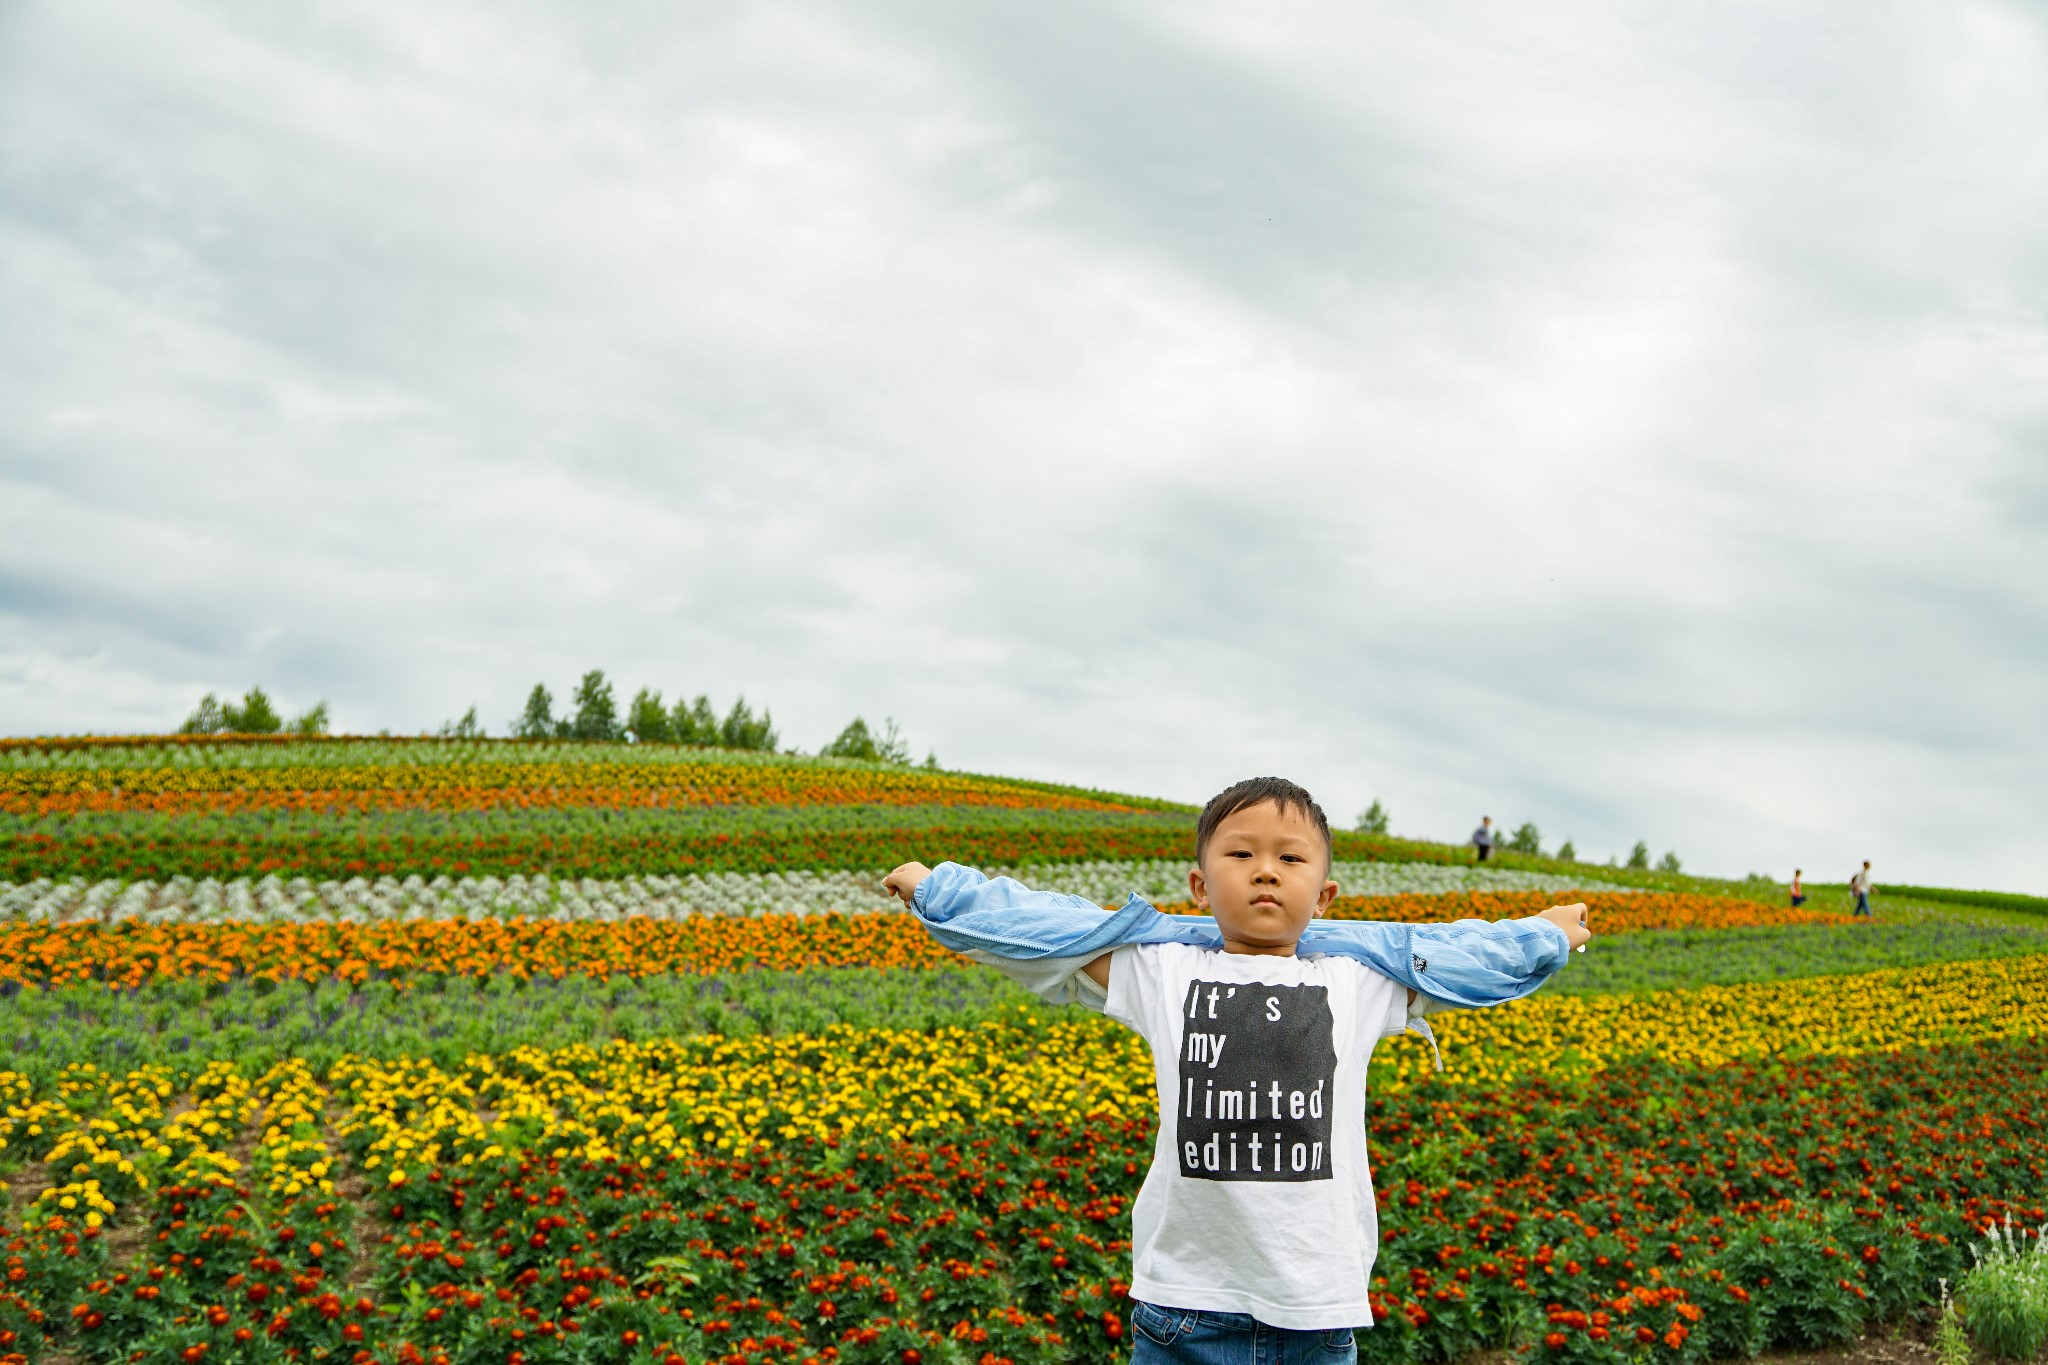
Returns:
point(1627, 423)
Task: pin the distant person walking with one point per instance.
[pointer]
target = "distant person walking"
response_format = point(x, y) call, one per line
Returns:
point(1798, 890)
point(1860, 886)
point(1482, 838)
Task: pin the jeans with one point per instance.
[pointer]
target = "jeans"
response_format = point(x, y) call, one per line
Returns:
point(1862, 902)
point(1187, 1336)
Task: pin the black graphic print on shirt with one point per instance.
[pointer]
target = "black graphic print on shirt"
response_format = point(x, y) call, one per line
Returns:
point(1257, 1064)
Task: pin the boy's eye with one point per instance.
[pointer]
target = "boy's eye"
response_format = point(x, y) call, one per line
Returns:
point(1240, 853)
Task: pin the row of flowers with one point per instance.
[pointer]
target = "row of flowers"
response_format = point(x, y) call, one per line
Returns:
point(491, 785)
point(573, 842)
point(130, 953)
point(724, 1091)
point(1653, 1213)
point(273, 898)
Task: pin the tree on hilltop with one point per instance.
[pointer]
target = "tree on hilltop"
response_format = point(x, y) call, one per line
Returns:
point(647, 720)
point(537, 721)
point(742, 729)
point(1639, 856)
point(694, 722)
point(205, 718)
point(1373, 819)
point(858, 741)
point(597, 716)
point(254, 714)
point(1527, 839)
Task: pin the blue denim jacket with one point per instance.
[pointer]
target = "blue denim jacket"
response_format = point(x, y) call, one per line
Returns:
point(1043, 939)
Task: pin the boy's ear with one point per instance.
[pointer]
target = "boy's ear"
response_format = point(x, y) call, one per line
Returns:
point(1198, 888)
point(1329, 893)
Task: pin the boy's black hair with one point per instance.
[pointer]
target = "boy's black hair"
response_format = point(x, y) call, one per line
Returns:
point(1250, 792)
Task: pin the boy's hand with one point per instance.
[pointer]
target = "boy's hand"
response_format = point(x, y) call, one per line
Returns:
point(903, 881)
point(1571, 919)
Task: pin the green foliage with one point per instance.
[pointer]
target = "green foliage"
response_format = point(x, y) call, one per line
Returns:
point(1639, 856)
point(1990, 900)
point(537, 721)
point(1527, 839)
point(647, 719)
point(1672, 959)
point(1373, 819)
point(1951, 1343)
point(2005, 1295)
point(252, 715)
point(312, 721)
point(597, 716)
point(574, 841)
point(466, 728)
point(1669, 862)
point(742, 729)
point(858, 741)
point(855, 741)
point(694, 722)
point(1566, 853)
point(205, 718)
point(259, 1023)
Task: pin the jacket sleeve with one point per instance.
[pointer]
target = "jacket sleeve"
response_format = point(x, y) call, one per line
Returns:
point(953, 892)
point(1004, 924)
point(1484, 962)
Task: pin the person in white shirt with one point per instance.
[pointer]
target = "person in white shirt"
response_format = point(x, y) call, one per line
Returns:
point(1859, 885)
point(1254, 1233)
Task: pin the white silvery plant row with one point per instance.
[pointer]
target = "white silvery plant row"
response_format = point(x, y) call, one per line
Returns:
point(362, 900)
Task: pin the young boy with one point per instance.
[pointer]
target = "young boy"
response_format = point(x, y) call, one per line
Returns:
point(1254, 1233)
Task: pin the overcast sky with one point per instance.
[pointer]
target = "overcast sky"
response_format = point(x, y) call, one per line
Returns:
point(1630, 418)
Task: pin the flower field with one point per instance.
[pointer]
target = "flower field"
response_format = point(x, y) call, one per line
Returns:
point(738, 1115)
point(271, 898)
point(129, 954)
point(228, 808)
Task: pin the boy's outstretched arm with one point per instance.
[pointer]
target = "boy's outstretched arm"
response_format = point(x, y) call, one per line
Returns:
point(904, 880)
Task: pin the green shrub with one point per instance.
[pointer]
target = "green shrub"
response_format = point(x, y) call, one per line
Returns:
point(2005, 1296)
point(1639, 856)
point(1373, 819)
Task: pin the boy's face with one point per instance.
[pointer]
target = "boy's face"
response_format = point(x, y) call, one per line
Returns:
point(1264, 876)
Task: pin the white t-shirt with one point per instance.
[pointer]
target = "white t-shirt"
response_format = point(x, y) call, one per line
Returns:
point(1259, 1199)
